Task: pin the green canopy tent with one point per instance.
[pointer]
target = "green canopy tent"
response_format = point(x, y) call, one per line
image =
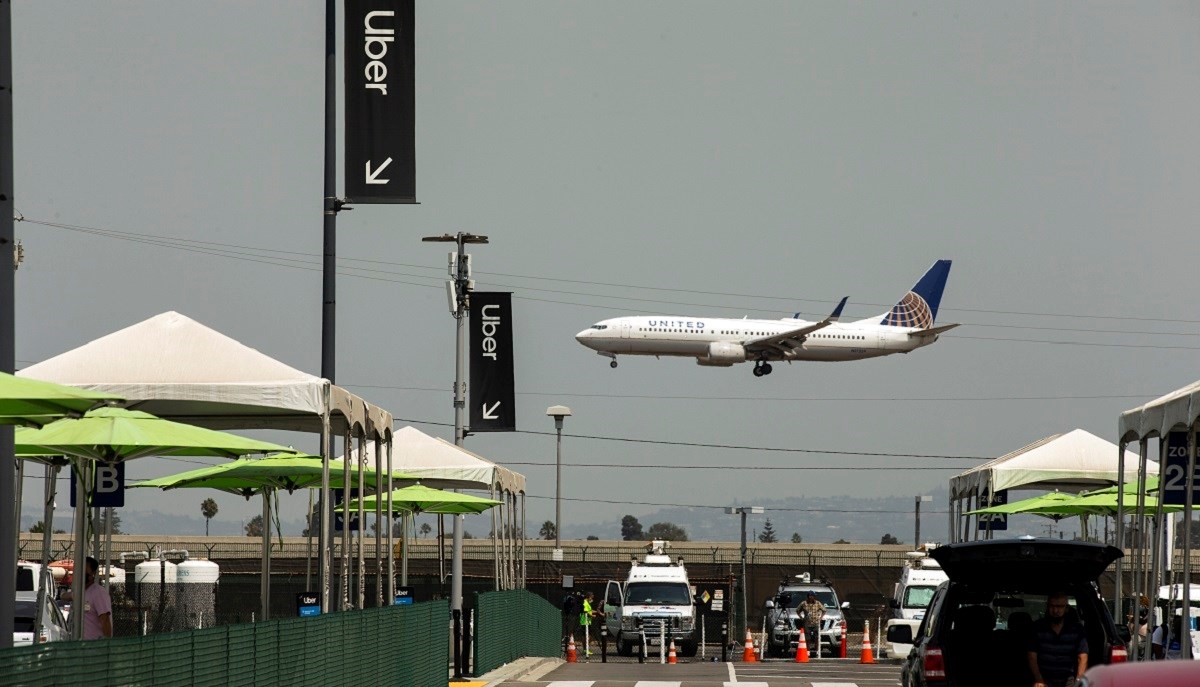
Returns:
point(418, 498)
point(25, 401)
point(113, 435)
point(262, 476)
point(33, 402)
point(1031, 505)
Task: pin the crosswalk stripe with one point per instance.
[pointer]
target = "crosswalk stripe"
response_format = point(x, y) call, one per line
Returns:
point(834, 684)
point(571, 683)
point(655, 683)
point(746, 684)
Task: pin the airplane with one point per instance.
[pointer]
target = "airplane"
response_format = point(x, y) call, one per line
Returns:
point(721, 342)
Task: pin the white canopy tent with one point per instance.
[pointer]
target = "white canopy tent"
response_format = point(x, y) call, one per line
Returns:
point(176, 368)
point(1178, 411)
point(439, 463)
point(1074, 461)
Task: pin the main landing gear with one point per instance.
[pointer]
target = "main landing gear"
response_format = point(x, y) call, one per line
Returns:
point(761, 368)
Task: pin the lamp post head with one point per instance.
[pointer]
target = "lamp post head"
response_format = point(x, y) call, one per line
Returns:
point(558, 413)
point(455, 238)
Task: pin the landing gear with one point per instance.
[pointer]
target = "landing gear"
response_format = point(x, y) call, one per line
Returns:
point(606, 354)
point(613, 364)
point(761, 368)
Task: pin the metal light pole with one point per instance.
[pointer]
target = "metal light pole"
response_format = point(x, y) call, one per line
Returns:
point(917, 520)
point(8, 487)
point(558, 413)
point(460, 293)
point(744, 511)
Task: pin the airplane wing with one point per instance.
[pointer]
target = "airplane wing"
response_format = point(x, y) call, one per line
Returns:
point(784, 342)
point(932, 331)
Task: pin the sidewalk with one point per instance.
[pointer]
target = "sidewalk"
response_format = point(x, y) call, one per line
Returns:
point(528, 669)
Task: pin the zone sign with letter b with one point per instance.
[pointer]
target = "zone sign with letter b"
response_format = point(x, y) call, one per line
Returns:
point(108, 490)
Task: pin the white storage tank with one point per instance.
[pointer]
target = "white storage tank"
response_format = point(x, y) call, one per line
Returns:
point(154, 591)
point(197, 592)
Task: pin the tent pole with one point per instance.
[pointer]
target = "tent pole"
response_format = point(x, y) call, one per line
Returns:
point(308, 547)
point(1117, 593)
point(379, 521)
point(47, 542)
point(497, 526)
point(391, 517)
point(264, 586)
point(360, 591)
point(82, 490)
point(344, 582)
point(324, 534)
point(1144, 544)
point(1187, 530)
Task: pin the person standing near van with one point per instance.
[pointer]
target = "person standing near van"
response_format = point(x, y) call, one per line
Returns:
point(811, 613)
point(586, 615)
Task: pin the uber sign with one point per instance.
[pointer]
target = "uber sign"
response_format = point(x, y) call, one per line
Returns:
point(492, 394)
point(109, 488)
point(994, 522)
point(380, 103)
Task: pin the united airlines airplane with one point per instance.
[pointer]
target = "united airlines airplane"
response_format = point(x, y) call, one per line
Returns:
point(716, 342)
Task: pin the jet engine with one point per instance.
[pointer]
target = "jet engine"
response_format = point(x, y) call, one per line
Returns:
point(722, 354)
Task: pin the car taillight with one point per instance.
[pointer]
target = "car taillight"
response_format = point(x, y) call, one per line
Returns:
point(934, 665)
point(1118, 654)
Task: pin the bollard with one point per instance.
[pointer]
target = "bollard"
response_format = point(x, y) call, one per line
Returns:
point(604, 643)
point(642, 646)
point(703, 641)
point(662, 641)
point(457, 615)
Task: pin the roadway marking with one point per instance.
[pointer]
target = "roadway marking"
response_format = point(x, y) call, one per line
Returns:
point(571, 683)
point(745, 684)
point(654, 683)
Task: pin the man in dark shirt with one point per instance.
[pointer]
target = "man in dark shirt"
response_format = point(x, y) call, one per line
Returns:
point(1058, 649)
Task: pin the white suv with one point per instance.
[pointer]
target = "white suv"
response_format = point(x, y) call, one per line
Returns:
point(783, 621)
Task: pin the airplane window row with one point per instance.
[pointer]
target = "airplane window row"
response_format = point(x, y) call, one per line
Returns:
point(838, 336)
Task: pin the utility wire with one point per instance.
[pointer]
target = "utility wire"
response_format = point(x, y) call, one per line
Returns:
point(661, 442)
point(313, 260)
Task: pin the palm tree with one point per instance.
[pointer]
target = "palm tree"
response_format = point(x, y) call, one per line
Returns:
point(208, 508)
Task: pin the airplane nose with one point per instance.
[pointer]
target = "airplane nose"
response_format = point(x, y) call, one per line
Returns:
point(583, 337)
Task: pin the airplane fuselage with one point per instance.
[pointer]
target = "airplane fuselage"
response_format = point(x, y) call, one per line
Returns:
point(696, 336)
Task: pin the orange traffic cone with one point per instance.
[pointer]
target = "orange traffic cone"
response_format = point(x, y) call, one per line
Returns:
point(802, 649)
point(571, 655)
point(842, 650)
point(868, 656)
point(748, 651)
point(671, 653)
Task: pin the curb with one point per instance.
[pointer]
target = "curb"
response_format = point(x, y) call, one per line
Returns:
point(527, 669)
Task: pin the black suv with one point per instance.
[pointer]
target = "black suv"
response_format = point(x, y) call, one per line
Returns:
point(977, 626)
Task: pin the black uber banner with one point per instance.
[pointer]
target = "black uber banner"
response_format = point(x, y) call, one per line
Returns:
point(493, 398)
point(380, 84)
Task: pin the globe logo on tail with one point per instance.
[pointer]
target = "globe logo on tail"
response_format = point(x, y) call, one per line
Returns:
point(911, 311)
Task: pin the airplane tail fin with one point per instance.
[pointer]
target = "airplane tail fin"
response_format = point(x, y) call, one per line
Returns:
point(919, 306)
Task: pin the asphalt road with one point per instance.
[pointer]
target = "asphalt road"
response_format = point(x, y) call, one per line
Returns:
point(773, 673)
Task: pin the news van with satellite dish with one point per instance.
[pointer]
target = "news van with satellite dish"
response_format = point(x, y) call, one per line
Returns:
point(655, 603)
point(919, 579)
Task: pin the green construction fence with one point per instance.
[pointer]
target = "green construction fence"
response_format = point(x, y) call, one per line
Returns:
point(403, 646)
point(513, 624)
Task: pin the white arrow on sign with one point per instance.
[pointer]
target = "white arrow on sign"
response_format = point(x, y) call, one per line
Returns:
point(488, 413)
point(372, 175)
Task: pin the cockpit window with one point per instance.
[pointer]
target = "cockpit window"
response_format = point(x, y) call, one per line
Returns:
point(599, 326)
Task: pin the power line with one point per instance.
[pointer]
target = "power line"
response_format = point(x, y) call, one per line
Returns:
point(223, 250)
point(793, 399)
point(690, 444)
point(696, 505)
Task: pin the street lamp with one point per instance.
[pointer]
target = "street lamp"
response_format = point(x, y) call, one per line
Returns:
point(744, 511)
point(917, 519)
point(460, 288)
point(558, 413)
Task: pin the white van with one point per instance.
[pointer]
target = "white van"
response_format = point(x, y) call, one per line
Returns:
point(911, 595)
point(655, 603)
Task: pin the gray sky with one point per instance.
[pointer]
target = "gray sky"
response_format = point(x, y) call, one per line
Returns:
point(710, 158)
